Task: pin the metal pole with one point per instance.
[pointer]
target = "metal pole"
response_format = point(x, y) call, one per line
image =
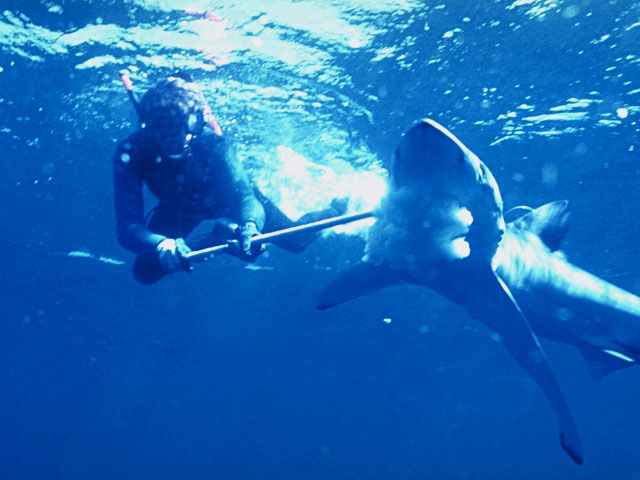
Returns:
point(287, 232)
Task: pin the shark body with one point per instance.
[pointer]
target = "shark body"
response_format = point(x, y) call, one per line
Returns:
point(564, 302)
point(441, 226)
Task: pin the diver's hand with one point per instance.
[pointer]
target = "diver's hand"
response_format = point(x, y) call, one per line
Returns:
point(245, 233)
point(241, 245)
point(172, 255)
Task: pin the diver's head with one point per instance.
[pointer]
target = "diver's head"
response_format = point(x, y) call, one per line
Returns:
point(174, 111)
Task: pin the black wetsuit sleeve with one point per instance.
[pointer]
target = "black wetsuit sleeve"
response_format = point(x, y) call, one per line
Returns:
point(129, 203)
point(243, 205)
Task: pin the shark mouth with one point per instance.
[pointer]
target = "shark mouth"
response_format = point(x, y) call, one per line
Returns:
point(459, 247)
point(449, 232)
point(410, 231)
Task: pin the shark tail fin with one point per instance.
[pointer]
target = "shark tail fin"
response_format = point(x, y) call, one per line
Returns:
point(362, 279)
point(550, 222)
point(603, 362)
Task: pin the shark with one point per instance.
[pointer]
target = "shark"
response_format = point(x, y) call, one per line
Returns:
point(441, 226)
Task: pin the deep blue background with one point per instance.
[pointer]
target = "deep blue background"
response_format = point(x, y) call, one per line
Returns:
point(231, 373)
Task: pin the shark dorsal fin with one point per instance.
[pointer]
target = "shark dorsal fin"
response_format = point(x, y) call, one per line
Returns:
point(550, 222)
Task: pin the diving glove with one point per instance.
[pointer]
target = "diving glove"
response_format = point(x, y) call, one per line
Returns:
point(172, 255)
point(245, 233)
point(242, 247)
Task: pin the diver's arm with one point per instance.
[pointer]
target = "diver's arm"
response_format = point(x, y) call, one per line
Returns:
point(132, 233)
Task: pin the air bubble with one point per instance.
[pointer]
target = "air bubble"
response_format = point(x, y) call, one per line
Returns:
point(571, 11)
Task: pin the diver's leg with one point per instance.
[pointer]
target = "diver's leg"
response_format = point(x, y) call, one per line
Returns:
point(300, 242)
point(337, 207)
point(147, 271)
point(275, 219)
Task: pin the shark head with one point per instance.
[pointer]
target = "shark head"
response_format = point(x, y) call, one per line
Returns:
point(442, 204)
point(429, 154)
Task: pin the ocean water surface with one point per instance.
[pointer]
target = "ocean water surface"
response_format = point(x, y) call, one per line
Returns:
point(230, 372)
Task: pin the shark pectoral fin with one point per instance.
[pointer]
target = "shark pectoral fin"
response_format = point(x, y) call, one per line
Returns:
point(497, 308)
point(603, 362)
point(362, 279)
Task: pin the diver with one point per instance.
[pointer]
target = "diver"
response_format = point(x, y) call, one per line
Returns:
point(204, 194)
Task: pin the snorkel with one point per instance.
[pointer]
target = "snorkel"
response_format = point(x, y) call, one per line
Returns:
point(211, 120)
point(128, 86)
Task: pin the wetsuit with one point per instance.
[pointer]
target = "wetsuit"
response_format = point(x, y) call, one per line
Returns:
point(208, 183)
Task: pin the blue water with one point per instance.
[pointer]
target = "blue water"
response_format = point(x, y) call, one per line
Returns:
point(230, 373)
